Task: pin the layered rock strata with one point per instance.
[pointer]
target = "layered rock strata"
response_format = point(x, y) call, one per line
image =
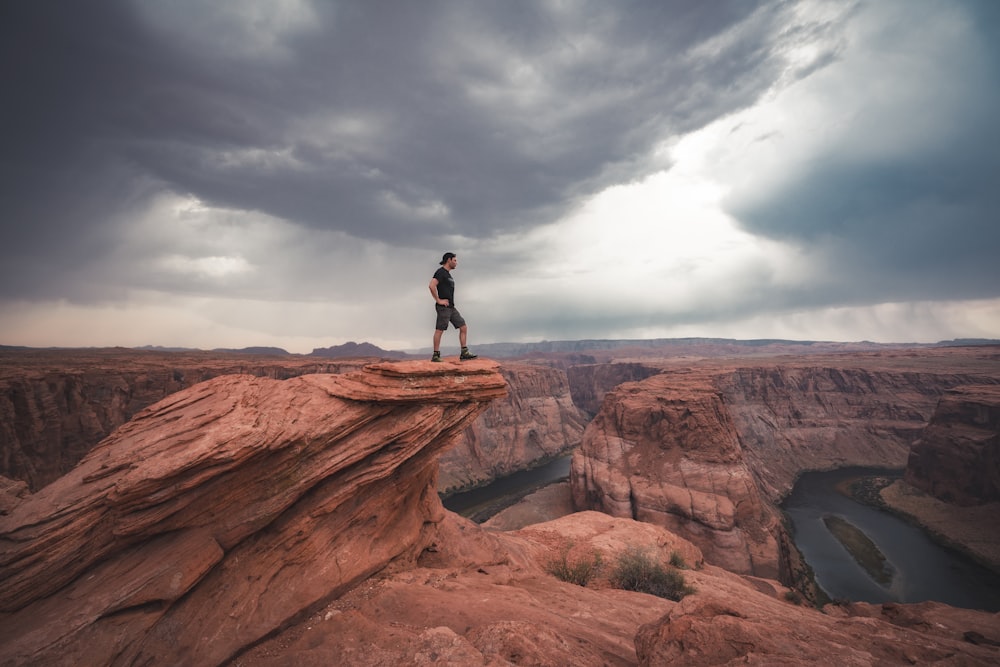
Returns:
point(536, 422)
point(710, 450)
point(55, 405)
point(957, 458)
point(252, 522)
point(590, 383)
point(217, 515)
point(792, 418)
point(668, 454)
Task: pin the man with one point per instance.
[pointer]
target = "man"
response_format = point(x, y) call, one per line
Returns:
point(443, 290)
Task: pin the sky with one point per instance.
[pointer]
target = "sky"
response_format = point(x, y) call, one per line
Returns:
point(225, 174)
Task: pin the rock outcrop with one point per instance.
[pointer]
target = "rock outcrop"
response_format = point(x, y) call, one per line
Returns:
point(709, 450)
point(957, 458)
point(217, 515)
point(665, 452)
point(536, 422)
point(55, 405)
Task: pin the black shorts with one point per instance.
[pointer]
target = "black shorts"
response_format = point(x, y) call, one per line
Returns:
point(446, 315)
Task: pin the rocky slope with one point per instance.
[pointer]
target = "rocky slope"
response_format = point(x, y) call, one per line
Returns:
point(248, 521)
point(535, 423)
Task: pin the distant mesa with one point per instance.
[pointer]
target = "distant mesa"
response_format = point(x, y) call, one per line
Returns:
point(352, 349)
point(255, 350)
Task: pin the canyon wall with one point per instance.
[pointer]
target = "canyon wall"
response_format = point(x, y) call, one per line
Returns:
point(248, 522)
point(794, 418)
point(56, 405)
point(957, 458)
point(667, 453)
point(589, 383)
point(536, 422)
point(710, 450)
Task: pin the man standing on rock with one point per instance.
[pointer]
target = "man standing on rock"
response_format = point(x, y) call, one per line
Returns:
point(443, 290)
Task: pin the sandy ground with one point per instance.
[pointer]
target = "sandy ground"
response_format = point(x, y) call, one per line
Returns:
point(546, 504)
point(971, 530)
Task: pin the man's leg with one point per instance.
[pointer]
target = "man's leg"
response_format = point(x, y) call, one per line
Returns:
point(463, 332)
point(437, 345)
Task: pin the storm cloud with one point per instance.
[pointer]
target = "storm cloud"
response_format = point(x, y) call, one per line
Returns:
point(290, 172)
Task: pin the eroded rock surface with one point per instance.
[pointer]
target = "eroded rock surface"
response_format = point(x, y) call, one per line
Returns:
point(708, 450)
point(957, 458)
point(664, 451)
point(476, 597)
point(220, 513)
point(536, 422)
point(55, 405)
point(249, 522)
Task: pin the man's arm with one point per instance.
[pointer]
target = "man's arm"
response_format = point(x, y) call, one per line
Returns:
point(434, 292)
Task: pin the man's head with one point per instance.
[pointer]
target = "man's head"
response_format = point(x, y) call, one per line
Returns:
point(449, 261)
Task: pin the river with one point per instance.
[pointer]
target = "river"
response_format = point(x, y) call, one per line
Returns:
point(922, 569)
point(482, 503)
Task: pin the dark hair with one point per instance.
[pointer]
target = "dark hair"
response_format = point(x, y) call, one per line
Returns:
point(447, 256)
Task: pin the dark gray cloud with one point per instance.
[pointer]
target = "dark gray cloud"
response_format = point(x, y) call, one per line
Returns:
point(912, 217)
point(335, 143)
point(388, 120)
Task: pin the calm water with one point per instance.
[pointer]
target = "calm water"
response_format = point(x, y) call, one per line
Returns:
point(923, 569)
point(482, 503)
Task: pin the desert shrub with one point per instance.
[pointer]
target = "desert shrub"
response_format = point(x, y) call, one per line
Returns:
point(635, 570)
point(677, 560)
point(794, 597)
point(579, 572)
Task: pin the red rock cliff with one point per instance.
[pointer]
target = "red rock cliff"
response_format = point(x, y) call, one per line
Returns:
point(537, 421)
point(56, 405)
point(665, 451)
point(250, 522)
point(220, 513)
point(957, 458)
point(709, 450)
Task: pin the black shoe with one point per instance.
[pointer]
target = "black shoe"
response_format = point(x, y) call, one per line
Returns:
point(436, 356)
point(466, 355)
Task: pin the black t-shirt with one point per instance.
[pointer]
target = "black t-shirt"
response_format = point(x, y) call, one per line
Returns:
point(446, 285)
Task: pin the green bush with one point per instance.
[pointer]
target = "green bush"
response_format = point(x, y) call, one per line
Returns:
point(794, 597)
point(637, 571)
point(579, 572)
point(677, 560)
